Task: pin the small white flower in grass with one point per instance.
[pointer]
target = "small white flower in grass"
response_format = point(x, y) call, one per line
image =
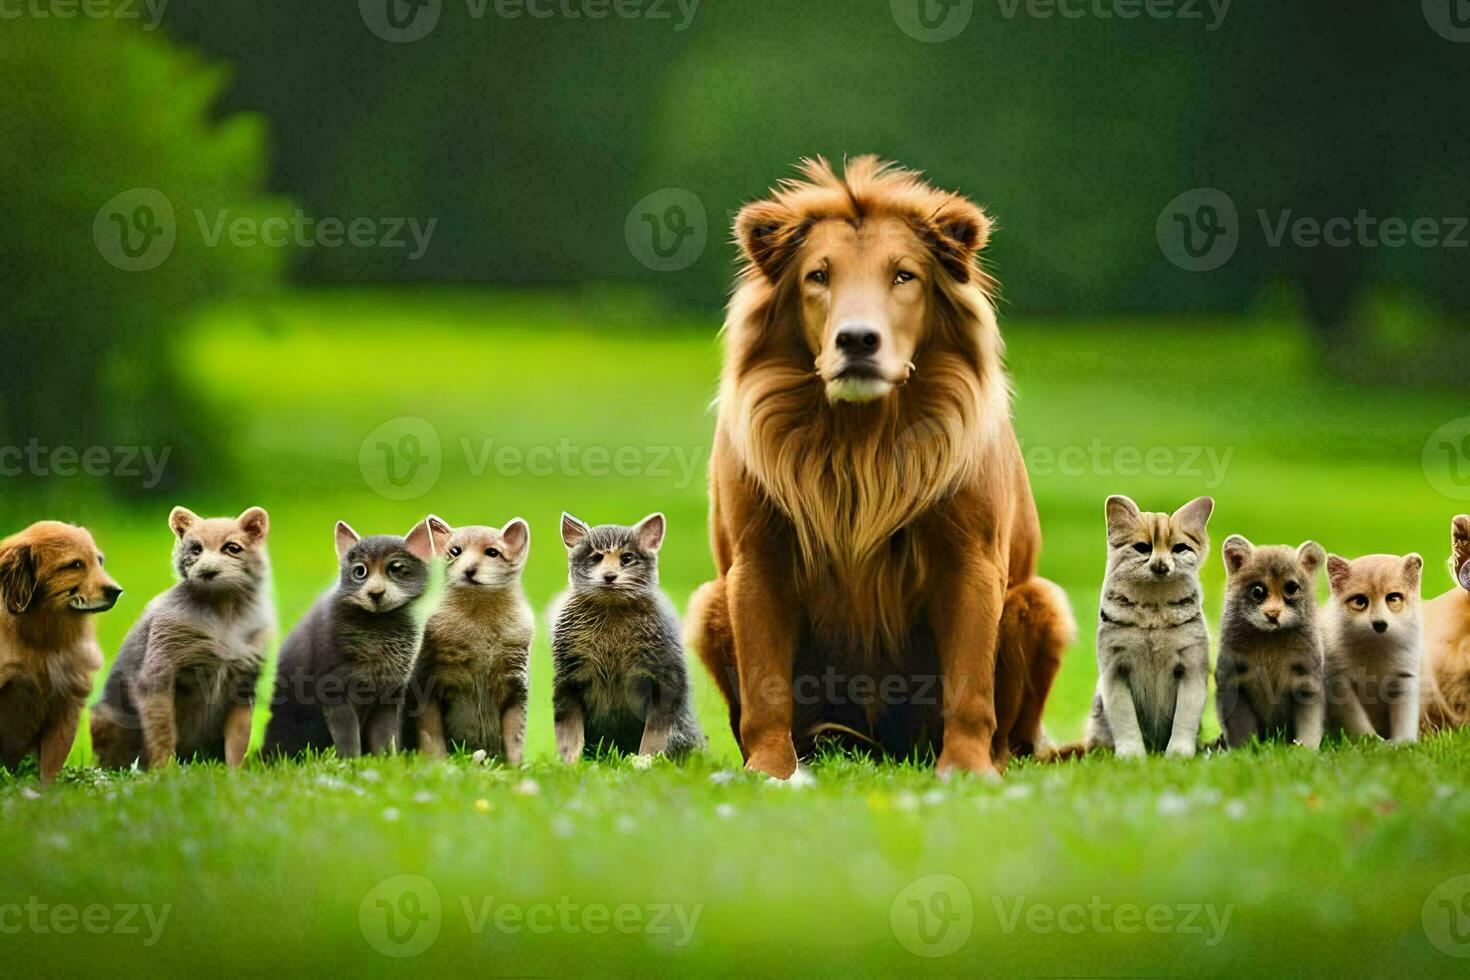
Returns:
point(625, 824)
point(642, 761)
point(1235, 809)
point(1017, 791)
point(935, 797)
point(29, 793)
point(724, 811)
point(562, 826)
point(1443, 792)
point(1171, 804)
point(722, 777)
point(370, 776)
point(390, 814)
point(423, 796)
point(57, 842)
point(527, 787)
point(906, 801)
point(480, 756)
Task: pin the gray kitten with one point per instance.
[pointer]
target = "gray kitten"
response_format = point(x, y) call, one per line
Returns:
point(620, 680)
point(1153, 648)
point(183, 684)
point(1269, 677)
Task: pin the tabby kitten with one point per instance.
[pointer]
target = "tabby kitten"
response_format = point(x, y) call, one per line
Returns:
point(1153, 649)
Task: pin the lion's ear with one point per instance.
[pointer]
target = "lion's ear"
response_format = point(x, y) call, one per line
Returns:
point(957, 233)
point(769, 235)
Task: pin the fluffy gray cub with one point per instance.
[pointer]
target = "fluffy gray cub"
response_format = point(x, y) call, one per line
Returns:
point(620, 680)
point(1153, 648)
point(1269, 678)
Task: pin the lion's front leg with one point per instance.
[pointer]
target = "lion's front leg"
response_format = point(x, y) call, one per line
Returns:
point(965, 612)
point(764, 622)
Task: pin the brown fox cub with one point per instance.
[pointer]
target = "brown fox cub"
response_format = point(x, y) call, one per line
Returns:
point(470, 680)
point(1445, 686)
point(1153, 649)
point(1374, 643)
point(183, 684)
point(1269, 677)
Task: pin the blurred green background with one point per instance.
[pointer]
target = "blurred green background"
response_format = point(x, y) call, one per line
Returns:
point(176, 293)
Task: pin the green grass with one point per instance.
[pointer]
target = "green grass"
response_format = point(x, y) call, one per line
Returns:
point(1326, 862)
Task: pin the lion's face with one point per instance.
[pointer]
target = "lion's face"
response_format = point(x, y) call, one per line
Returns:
point(864, 299)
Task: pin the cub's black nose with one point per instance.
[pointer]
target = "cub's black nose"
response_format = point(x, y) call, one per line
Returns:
point(1158, 568)
point(857, 340)
point(1379, 626)
point(209, 575)
point(377, 594)
point(609, 577)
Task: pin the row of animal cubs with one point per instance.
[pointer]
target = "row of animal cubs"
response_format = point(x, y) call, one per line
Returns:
point(1374, 661)
point(364, 670)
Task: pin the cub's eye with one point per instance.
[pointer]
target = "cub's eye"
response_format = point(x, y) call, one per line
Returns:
point(627, 559)
point(902, 276)
point(196, 548)
point(1292, 588)
point(493, 552)
point(1180, 549)
point(359, 571)
point(455, 551)
point(1395, 599)
point(1143, 547)
point(1358, 602)
point(1258, 592)
point(818, 276)
point(397, 568)
point(595, 557)
point(231, 548)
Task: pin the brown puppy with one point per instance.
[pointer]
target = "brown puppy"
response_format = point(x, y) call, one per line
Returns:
point(872, 520)
point(51, 581)
point(1445, 690)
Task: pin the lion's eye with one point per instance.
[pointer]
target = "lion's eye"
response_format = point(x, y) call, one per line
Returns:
point(77, 565)
point(903, 276)
point(1143, 547)
point(818, 276)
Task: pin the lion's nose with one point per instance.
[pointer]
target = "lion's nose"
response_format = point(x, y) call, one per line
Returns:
point(857, 340)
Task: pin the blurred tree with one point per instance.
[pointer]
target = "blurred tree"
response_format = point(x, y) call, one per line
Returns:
point(116, 179)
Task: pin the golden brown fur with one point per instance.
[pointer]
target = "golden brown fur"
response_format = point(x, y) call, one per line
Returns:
point(51, 580)
point(874, 514)
point(1445, 691)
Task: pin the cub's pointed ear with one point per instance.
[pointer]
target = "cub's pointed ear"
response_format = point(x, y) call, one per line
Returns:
point(1121, 511)
point(1195, 515)
point(180, 519)
point(650, 532)
point(419, 541)
point(17, 577)
point(1414, 569)
point(1338, 570)
point(1236, 551)
point(769, 234)
point(439, 532)
point(572, 530)
point(345, 538)
point(1311, 555)
point(956, 233)
point(517, 535)
point(255, 522)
